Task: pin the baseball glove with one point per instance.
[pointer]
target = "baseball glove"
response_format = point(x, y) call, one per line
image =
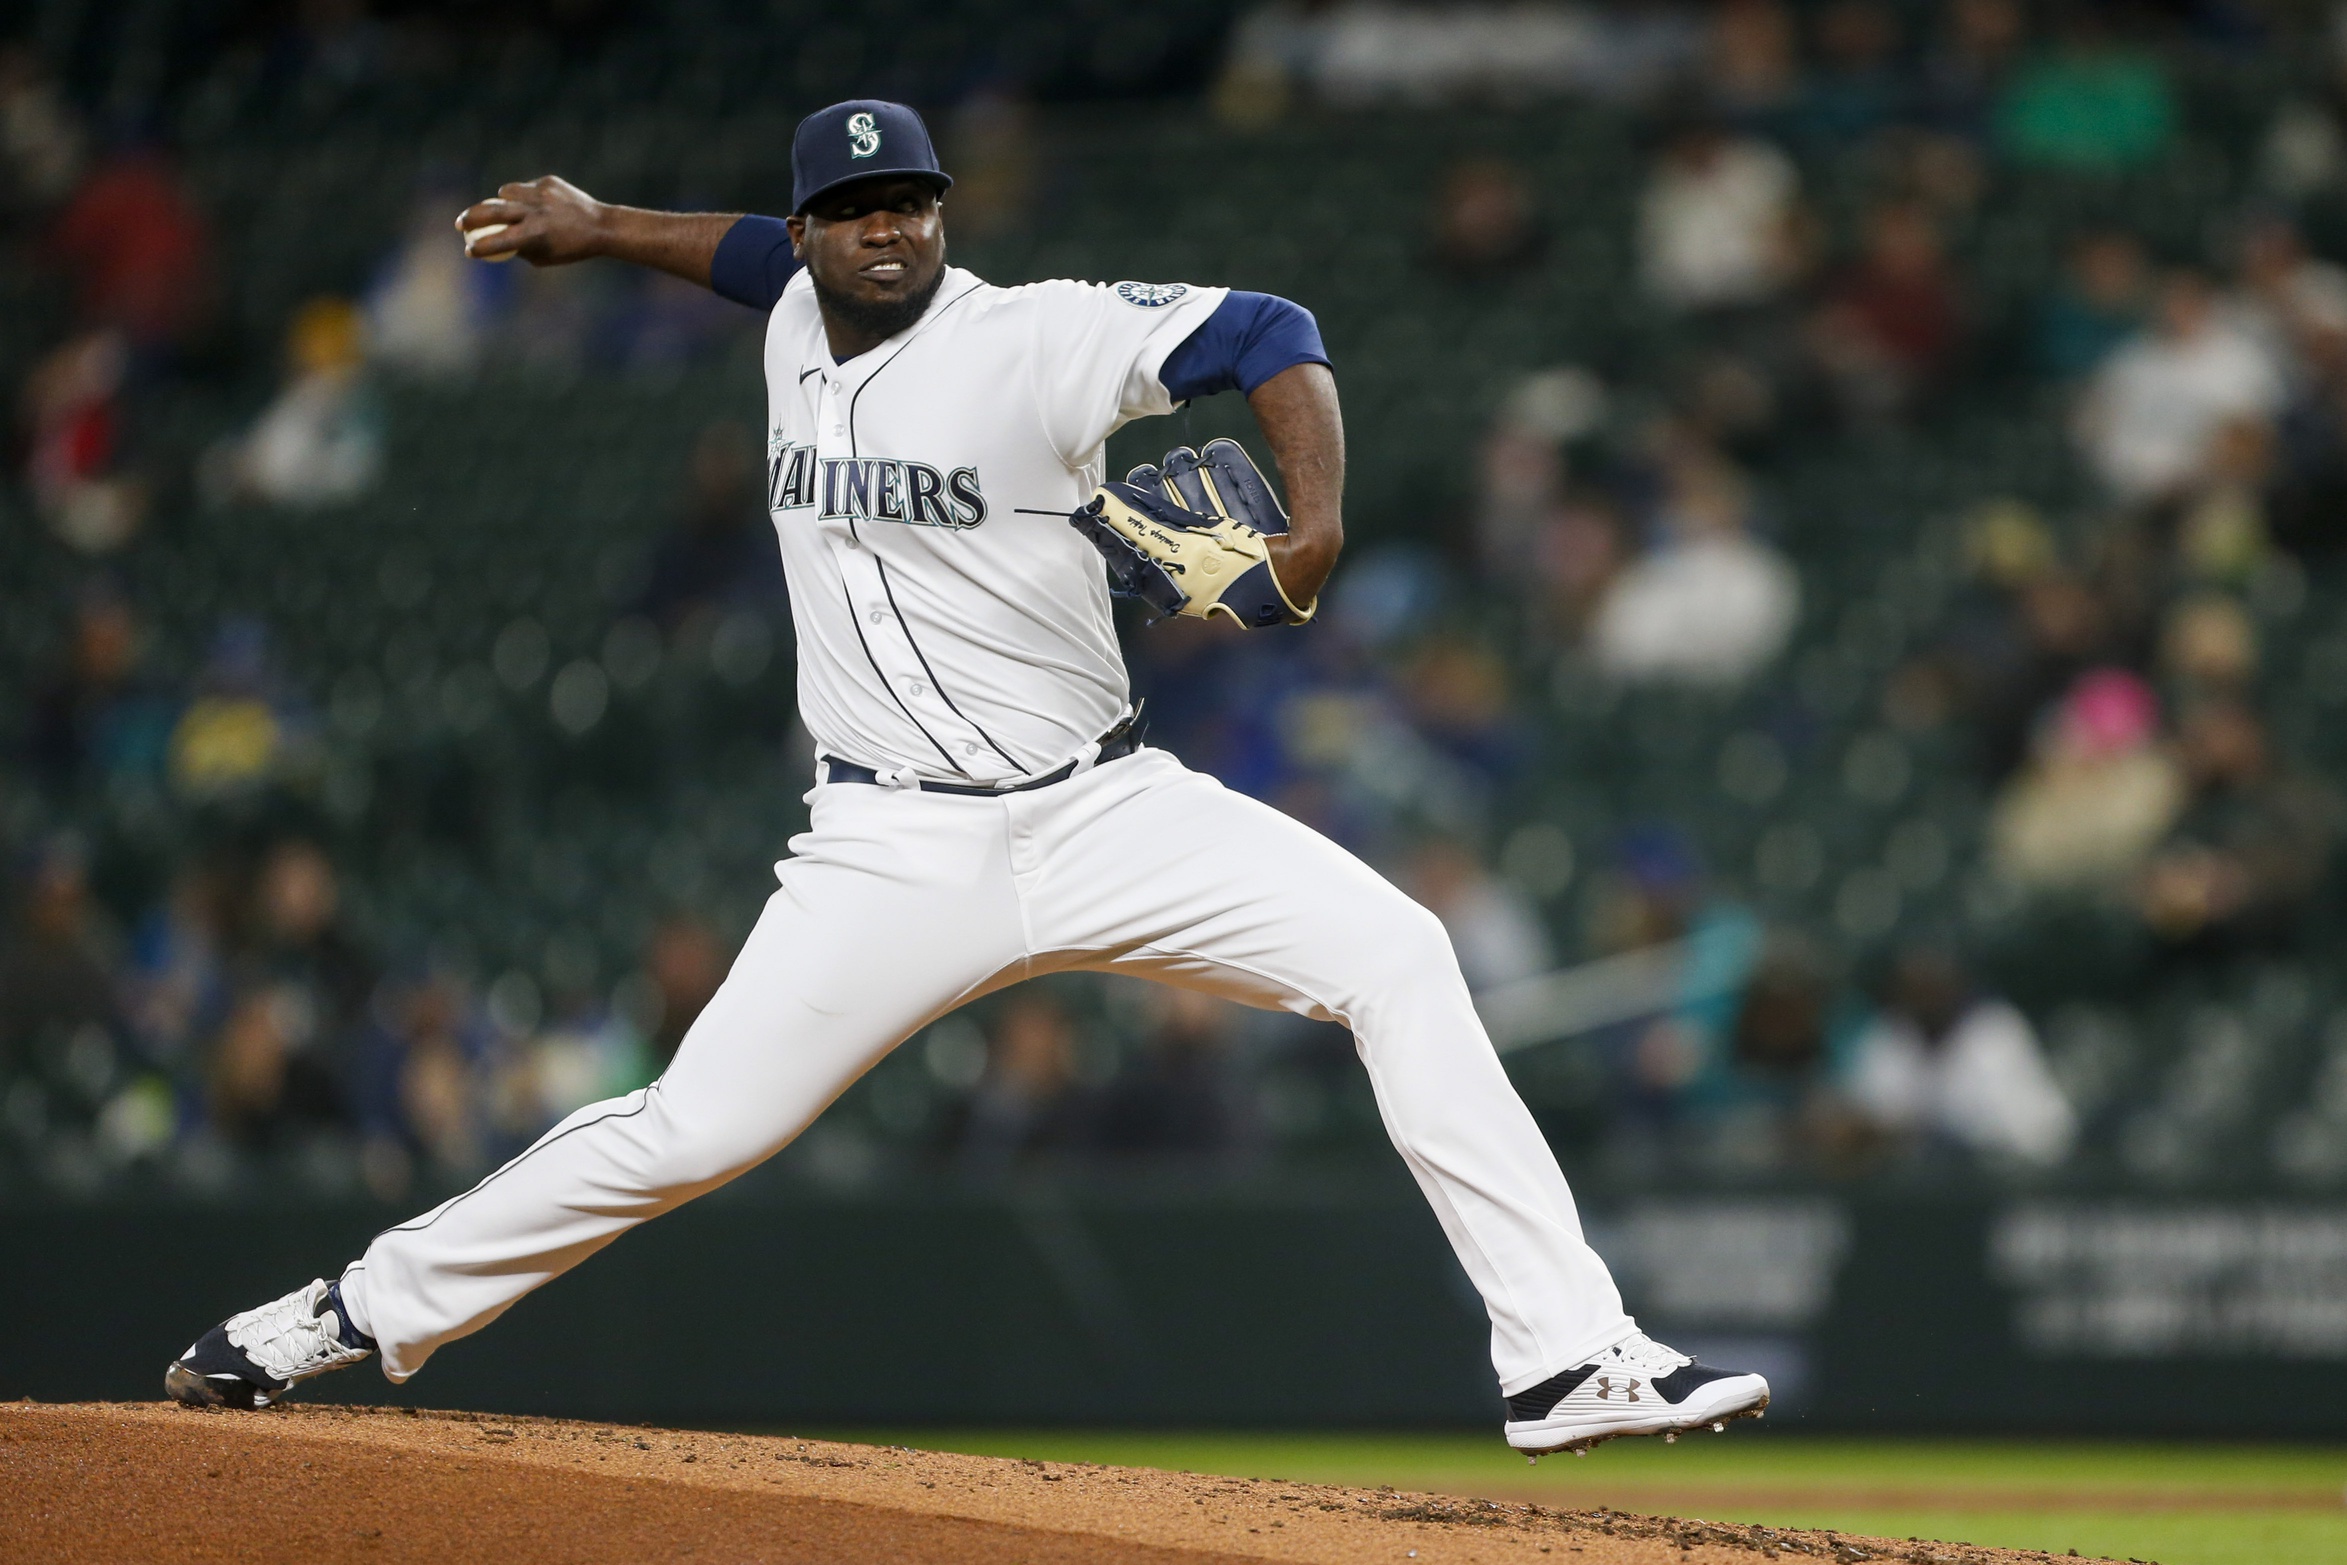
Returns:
point(1186, 537)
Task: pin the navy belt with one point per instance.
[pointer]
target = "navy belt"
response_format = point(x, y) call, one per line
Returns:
point(1117, 743)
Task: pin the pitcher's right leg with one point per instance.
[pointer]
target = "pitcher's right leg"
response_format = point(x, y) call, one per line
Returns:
point(896, 907)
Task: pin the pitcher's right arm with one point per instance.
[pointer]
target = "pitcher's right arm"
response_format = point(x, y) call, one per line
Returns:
point(549, 221)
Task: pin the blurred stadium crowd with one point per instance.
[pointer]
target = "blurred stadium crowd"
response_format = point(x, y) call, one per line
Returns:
point(1847, 505)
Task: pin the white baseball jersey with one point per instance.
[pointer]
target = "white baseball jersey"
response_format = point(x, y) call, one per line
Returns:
point(950, 622)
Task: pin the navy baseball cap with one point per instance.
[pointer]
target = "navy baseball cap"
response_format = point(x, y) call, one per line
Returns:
point(863, 138)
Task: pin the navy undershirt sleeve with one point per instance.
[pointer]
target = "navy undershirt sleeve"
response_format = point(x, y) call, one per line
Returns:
point(1249, 338)
point(753, 261)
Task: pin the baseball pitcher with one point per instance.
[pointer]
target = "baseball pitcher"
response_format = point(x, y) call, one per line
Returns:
point(983, 809)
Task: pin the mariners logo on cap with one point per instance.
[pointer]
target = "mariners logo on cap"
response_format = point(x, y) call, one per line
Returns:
point(1150, 296)
point(863, 136)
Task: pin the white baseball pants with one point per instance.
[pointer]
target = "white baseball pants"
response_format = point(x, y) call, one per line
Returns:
point(896, 906)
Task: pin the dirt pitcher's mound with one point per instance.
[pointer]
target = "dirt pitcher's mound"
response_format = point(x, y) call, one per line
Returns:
point(156, 1483)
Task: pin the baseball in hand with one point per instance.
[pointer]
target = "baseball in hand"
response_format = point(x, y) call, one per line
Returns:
point(474, 236)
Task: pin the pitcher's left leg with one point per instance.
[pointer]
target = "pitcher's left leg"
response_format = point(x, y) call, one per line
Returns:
point(1151, 869)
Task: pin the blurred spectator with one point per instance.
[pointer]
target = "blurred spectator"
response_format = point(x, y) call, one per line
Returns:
point(2089, 104)
point(1522, 465)
point(1494, 929)
point(2065, 629)
point(2303, 153)
point(1177, 1093)
point(100, 720)
point(1941, 1060)
point(240, 732)
point(1209, 698)
point(1969, 669)
point(1273, 50)
point(1656, 894)
point(320, 443)
point(58, 1021)
point(1779, 1041)
point(2208, 647)
point(138, 251)
point(2253, 847)
point(2156, 406)
point(1338, 728)
point(266, 1083)
point(1521, 473)
point(1728, 397)
point(2030, 630)
point(584, 1053)
point(1857, 88)
point(1755, 1091)
point(73, 407)
point(429, 311)
point(2221, 534)
point(2099, 303)
point(1752, 67)
point(686, 963)
point(721, 553)
point(561, 313)
point(175, 982)
point(1028, 1100)
point(1889, 324)
point(333, 44)
point(658, 324)
point(300, 939)
point(1708, 604)
point(40, 142)
point(1369, 51)
point(1456, 694)
point(1574, 562)
point(2096, 798)
point(438, 1089)
point(1965, 69)
point(1944, 173)
point(1715, 222)
point(2286, 300)
point(995, 161)
point(1484, 225)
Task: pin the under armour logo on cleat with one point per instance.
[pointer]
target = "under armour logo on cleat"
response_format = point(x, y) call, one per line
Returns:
point(1605, 1389)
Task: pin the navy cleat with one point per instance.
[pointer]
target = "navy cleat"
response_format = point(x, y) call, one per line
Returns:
point(249, 1360)
point(1636, 1387)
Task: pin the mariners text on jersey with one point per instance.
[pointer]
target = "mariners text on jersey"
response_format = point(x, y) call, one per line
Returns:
point(873, 489)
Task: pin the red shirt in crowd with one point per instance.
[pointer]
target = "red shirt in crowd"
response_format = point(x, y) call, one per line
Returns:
point(137, 249)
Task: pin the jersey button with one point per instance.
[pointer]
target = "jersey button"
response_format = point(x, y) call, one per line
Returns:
point(878, 615)
point(918, 688)
point(969, 749)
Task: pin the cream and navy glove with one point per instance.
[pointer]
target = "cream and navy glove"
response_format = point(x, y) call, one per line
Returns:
point(1186, 537)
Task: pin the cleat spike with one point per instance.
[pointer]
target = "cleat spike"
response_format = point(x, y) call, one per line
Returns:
point(1580, 1450)
point(1531, 1458)
point(1672, 1438)
point(1719, 1427)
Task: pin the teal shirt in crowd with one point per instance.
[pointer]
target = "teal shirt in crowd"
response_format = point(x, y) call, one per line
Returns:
point(2087, 110)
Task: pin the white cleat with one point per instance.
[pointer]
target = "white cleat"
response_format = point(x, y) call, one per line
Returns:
point(250, 1360)
point(1636, 1387)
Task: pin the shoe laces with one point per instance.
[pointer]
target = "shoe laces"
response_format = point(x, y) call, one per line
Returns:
point(1641, 1352)
point(294, 1336)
